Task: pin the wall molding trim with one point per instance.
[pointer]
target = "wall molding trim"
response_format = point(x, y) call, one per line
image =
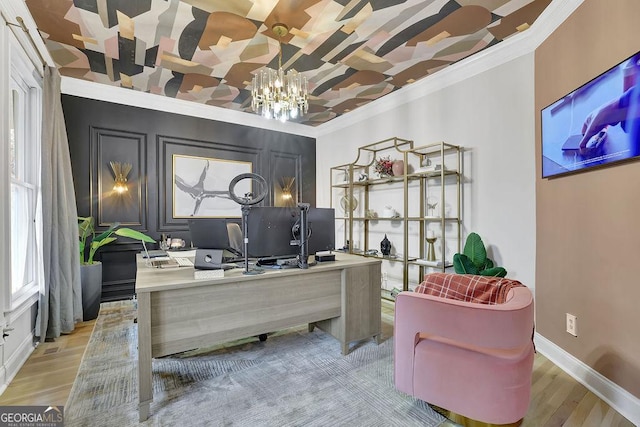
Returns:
point(618, 398)
point(108, 144)
point(18, 358)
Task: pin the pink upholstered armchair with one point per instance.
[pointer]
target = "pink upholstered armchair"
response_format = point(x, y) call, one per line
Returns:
point(472, 359)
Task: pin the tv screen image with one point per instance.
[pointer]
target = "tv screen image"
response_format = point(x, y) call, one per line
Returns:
point(596, 124)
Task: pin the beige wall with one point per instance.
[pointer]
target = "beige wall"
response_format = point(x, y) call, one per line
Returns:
point(588, 224)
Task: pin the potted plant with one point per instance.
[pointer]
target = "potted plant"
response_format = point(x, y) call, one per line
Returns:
point(383, 167)
point(91, 270)
point(474, 259)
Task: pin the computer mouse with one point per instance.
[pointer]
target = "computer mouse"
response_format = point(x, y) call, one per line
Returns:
point(597, 140)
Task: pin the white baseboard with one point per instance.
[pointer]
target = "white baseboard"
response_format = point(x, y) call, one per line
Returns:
point(9, 370)
point(618, 398)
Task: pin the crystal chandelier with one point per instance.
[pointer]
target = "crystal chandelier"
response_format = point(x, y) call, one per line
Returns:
point(276, 94)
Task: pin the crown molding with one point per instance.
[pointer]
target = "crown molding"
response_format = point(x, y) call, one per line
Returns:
point(135, 98)
point(509, 49)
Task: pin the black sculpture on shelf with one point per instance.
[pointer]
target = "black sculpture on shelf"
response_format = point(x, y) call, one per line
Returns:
point(385, 246)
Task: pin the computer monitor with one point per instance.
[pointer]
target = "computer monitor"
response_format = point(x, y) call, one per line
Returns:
point(321, 230)
point(322, 226)
point(210, 233)
point(269, 232)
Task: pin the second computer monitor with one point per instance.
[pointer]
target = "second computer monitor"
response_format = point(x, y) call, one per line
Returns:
point(322, 226)
point(269, 232)
point(209, 233)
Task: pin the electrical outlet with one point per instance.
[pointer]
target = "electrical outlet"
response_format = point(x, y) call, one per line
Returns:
point(572, 324)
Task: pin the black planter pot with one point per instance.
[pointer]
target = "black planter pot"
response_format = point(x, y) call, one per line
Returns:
point(91, 279)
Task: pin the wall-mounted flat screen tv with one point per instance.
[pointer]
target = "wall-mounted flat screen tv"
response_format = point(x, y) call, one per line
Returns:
point(596, 124)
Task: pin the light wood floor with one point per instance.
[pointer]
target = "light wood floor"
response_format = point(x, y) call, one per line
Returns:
point(556, 399)
point(47, 376)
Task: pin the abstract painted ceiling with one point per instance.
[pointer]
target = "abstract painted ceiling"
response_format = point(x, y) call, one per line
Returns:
point(351, 51)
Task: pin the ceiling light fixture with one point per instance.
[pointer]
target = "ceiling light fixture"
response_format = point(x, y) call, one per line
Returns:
point(276, 94)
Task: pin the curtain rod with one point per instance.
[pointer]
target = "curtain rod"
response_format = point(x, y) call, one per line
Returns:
point(24, 28)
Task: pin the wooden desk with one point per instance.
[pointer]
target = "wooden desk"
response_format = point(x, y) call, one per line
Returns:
point(178, 313)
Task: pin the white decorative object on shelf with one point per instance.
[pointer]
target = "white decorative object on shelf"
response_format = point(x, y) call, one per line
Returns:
point(429, 263)
point(431, 168)
point(432, 202)
point(389, 212)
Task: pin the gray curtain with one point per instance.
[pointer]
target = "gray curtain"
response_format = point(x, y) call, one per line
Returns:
point(61, 303)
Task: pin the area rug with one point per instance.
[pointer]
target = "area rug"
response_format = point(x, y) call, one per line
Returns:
point(295, 378)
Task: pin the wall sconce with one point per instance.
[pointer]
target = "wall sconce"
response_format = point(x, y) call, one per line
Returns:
point(286, 184)
point(286, 194)
point(120, 173)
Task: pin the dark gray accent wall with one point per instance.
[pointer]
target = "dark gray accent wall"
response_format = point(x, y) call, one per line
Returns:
point(100, 132)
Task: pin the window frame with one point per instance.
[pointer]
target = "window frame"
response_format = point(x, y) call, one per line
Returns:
point(22, 74)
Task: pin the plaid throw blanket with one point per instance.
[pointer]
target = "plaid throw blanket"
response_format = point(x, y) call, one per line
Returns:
point(467, 287)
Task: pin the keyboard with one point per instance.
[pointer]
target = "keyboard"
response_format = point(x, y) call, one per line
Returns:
point(171, 262)
point(183, 262)
point(154, 254)
point(276, 260)
point(212, 266)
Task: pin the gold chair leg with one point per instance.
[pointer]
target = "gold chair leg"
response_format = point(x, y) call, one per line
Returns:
point(468, 422)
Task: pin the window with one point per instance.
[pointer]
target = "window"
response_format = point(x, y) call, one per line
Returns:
point(24, 166)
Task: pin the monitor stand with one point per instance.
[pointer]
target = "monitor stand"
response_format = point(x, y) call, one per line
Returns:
point(245, 234)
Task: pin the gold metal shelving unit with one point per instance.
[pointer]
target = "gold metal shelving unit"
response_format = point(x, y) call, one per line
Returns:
point(352, 183)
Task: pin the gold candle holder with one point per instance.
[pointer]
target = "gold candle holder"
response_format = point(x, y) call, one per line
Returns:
point(431, 250)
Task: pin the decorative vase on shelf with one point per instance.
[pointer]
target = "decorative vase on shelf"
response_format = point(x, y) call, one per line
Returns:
point(348, 204)
point(398, 168)
point(385, 246)
point(431, 250)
